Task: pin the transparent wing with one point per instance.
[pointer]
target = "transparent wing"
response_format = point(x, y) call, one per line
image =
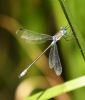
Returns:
point(33, 37)
point(54, 60)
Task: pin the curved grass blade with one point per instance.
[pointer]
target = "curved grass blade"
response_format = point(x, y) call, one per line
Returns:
point(79, 39)
point(60, 89)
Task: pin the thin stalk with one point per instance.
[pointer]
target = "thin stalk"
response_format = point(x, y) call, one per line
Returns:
point(71, 25)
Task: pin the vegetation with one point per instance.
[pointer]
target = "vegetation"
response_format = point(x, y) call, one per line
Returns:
point(43, 16)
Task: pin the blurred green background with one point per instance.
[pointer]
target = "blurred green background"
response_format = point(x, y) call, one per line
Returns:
point(43, 16)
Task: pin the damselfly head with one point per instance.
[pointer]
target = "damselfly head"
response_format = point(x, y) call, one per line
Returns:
point(63, 30)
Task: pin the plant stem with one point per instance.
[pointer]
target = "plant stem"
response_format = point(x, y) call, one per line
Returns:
point(71, 25)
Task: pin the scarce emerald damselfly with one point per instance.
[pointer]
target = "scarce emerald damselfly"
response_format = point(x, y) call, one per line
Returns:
point(54, 60)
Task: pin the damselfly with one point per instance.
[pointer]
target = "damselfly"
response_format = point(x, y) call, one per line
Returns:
point(54, 60)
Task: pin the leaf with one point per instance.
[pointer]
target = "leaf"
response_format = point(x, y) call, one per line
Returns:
point(79, 39)
point(57, 90)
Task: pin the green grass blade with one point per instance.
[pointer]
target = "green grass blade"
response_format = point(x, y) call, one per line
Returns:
point(79, 39)
point(57, 90)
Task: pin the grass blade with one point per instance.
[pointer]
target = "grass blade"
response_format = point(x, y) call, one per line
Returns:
point(57, 90)
point(79, 39)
